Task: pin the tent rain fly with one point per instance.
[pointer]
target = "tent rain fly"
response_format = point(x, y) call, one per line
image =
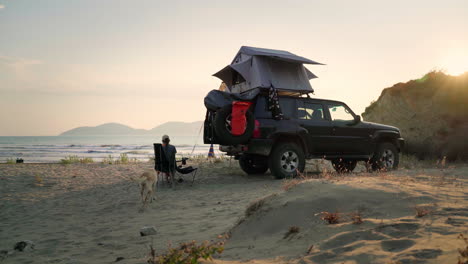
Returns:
point(265, 68)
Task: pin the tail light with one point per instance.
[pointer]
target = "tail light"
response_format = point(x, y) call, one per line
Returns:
point(256, 132)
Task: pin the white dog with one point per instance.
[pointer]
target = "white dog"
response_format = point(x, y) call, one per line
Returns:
point(147, 182)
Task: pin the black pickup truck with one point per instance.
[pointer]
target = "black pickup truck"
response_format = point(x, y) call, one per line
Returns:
point(310, 128)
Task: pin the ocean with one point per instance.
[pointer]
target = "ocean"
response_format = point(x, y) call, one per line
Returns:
point(51, 149)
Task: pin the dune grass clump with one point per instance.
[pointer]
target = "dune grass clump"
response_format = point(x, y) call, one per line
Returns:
point(10, 161)
point(108, 160)
point(356, 217)
point(190, 252)
point(422, 211)
point(123, 158)
point(72, 159)
point(331, 218)
point(291, 231)
point(86, 160)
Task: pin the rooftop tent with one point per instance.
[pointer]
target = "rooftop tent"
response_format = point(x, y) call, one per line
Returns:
point(263, 68)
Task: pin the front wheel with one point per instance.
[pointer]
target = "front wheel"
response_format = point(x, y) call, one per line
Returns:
point(385, 158)
point(253, 164)
point(286, 160)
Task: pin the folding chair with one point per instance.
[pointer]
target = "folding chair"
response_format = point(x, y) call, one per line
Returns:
point(186, 170)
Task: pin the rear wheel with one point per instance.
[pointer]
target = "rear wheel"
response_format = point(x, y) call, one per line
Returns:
point(253, 164)
point(285, 160)
point(385, 158)
point(344, 166)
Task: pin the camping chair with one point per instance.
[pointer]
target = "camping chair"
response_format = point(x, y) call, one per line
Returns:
point(186, 170)
point(161, 164)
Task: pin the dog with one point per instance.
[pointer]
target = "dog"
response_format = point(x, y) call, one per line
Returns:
point(147, 182)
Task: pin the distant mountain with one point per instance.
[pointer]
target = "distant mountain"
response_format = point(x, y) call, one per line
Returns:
point(170, 128)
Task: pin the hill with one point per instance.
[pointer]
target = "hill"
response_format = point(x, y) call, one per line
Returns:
point(431, 112)
point(171, 128)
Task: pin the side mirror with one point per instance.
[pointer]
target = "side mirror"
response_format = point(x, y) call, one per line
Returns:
point(357, 119)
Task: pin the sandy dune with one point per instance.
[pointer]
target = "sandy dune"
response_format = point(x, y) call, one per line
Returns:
point(90, 213)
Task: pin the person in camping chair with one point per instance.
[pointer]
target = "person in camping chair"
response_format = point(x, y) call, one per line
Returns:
point(170, 152)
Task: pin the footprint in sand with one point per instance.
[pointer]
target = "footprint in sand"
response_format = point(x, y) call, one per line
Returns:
point(399, 230)
point(418, 256)
point(397, 245)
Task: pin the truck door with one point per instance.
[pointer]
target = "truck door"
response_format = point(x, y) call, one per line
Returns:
point(347, 136)
point(311, 116)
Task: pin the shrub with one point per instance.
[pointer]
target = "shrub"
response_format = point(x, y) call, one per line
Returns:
point(190, 252)
point(331, 218)
point(10, 161)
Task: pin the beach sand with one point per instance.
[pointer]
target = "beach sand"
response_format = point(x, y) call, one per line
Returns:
point(91, 213)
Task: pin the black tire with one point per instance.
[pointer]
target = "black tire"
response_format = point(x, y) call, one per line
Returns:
point(223, 130)
point(344, 166)
point(253, 164)
point(285, 160)
point(385, 158)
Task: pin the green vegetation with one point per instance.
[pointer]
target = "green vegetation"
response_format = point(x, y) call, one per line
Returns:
point(10, 161)
point(190, 252)
point(108, 160)
point(72, 159)
point(122, 159)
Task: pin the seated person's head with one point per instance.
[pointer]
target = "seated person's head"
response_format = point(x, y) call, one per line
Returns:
point(165, 139)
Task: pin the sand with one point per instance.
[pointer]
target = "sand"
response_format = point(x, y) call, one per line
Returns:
point(91, 213)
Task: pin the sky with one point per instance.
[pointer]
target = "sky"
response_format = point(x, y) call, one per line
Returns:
point(65, 64)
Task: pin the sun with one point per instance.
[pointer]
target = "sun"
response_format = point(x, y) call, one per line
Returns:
point(455, 64)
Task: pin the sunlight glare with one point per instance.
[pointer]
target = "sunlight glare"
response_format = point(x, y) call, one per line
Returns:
point(455, 64)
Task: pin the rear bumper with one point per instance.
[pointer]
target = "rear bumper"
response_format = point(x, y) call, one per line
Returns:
point(255, 146)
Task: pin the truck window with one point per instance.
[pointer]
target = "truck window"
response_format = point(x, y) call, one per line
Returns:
point(310, 111)
point(339, 112)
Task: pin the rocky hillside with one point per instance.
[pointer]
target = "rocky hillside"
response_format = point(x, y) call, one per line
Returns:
point(431, 112)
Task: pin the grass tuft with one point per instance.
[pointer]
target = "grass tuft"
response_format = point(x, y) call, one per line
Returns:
point(190, 252)
point(291, 231)
point(331, 218)
point(73, 159)
point(356, 217)
point(422, 211)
